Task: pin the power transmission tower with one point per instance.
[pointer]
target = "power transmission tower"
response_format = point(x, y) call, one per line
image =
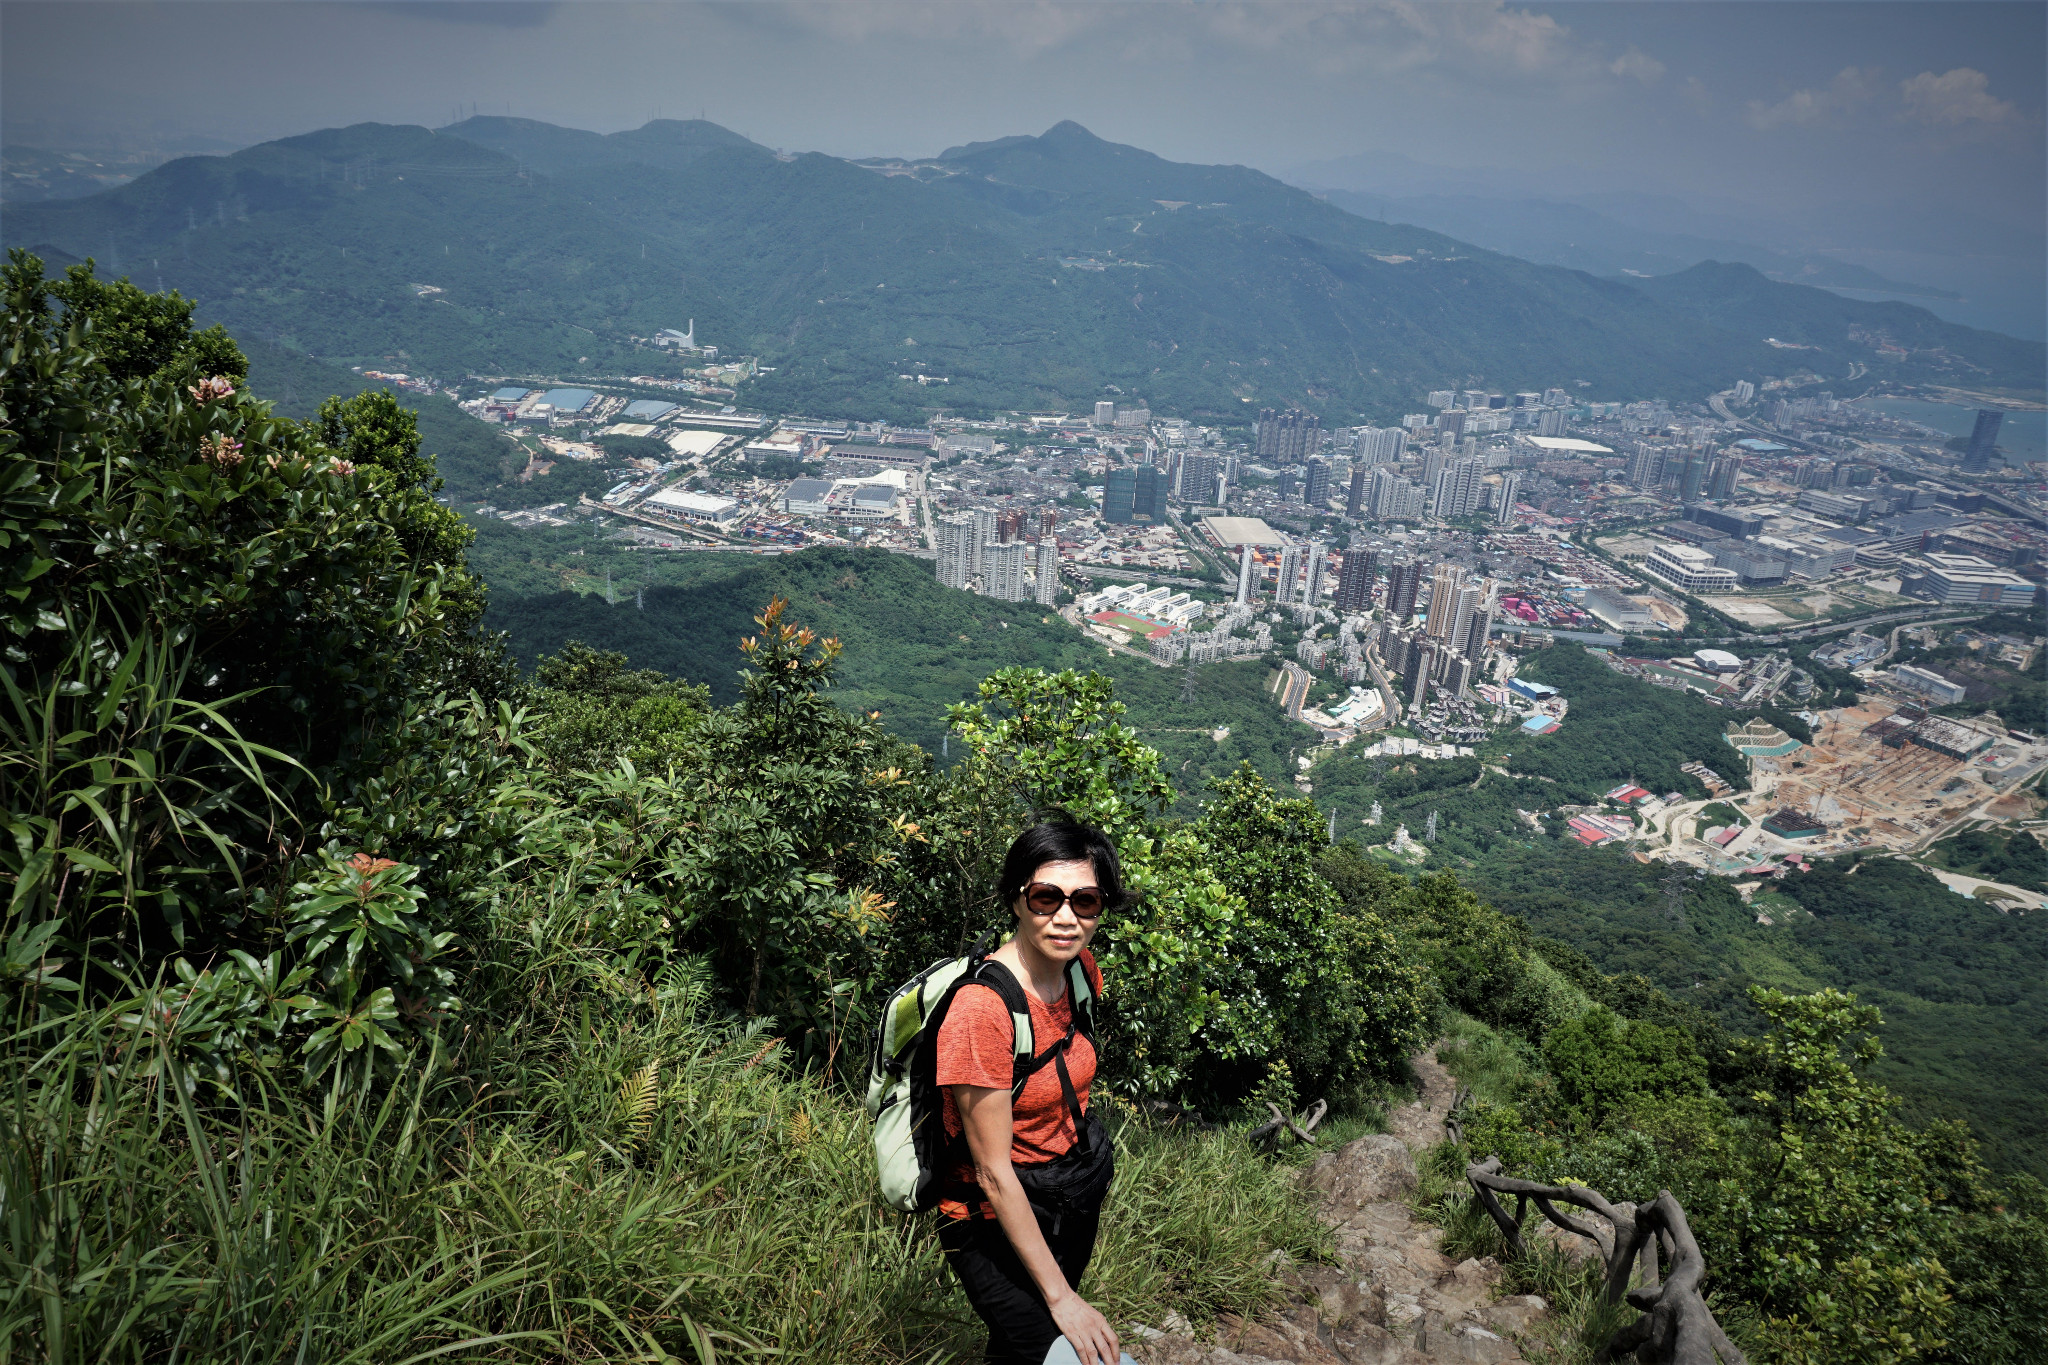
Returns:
point(1674, 896)
point(1429, 830)
point(1333, 827)
point(1187, 682)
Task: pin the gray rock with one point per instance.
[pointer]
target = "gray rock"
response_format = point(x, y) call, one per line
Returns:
point(1468, 1341)
point(1421, 1124)
point(1469, 1284)
point(1512, 1316)
point(1370, 1345)
point(1374, 1169)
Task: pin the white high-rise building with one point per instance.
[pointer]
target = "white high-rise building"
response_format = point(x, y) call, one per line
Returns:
point(984, 536)
point(1290, 573)
point(1444, 615)
point(1105, 415)
point(1003, 569)
point(1048, 587)
point(1247, 575)
point(956, 551)
point(1318, 562)
point(1461, 487)
point(1379, 445)
point(1510, 489)
point(1551, 423)
point(1393, 498)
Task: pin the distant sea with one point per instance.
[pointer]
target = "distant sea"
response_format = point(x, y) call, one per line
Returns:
point(2023, 437)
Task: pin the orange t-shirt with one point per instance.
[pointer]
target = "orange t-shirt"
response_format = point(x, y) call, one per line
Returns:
point(977, 1047)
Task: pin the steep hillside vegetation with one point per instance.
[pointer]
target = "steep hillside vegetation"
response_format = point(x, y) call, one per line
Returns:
point(1029, 271)
point(914, 647)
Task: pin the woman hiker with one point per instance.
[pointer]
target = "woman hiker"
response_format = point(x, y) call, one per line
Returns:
point(1029, 1192)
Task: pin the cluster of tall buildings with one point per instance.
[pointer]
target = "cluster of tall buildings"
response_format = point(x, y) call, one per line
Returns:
point(1134, 493)
point(1298, 580)
point(1443, 655)
point(1199, 477)
point(984, 551)
point(1688, 473)
point(1110, 415)
point(1286, 437)
point(1379, 445)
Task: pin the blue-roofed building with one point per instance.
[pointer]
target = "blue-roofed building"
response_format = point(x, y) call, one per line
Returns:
point(1761, 447)
point(1529, 690)
point(568, 402)
point(511, 393)
point(647, 409)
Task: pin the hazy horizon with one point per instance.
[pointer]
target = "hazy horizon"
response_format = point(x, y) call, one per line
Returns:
point(1906, 137)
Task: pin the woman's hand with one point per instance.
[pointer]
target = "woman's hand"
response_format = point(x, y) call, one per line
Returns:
point(1086, 1330)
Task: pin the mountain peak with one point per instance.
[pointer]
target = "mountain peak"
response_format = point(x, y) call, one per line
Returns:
point(1066, 130)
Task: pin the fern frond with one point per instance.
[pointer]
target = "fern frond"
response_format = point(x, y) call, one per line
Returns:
point(637, 1099)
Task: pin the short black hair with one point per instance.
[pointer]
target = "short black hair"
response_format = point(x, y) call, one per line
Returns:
point(1062, 841)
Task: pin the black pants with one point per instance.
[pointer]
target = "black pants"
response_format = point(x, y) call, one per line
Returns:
point(1020, 1326)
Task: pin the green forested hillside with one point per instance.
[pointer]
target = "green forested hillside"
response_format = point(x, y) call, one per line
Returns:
point(1031, 272)
point(1622, 729)
point(914, 647)
point(1957, 979)
point(470, 456)
point(1741, 299)
point(314, 244)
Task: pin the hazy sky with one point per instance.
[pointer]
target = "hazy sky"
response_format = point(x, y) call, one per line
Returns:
point(1789, 106)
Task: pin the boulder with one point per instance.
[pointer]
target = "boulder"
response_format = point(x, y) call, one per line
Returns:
point(1367, 1344)
point(1374, 1169)
point(1340, 1297)
point(1512, 1316)
point(1469, 1285)
point(1465, 1340)
point(1296, 1339)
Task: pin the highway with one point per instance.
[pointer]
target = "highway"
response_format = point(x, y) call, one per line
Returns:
point(1388, 699)
point(1719, 403)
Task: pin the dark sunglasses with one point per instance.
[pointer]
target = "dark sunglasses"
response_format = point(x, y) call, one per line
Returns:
point(1044, 899)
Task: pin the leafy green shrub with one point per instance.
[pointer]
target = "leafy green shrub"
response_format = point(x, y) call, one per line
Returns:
point(1346, 1004)
point(1602, 1063)
point(215, 622)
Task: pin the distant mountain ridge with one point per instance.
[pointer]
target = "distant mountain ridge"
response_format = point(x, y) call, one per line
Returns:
point(668, 143)
point(1026, 271)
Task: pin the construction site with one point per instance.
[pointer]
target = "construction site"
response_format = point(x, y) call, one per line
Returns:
point(1878, 775)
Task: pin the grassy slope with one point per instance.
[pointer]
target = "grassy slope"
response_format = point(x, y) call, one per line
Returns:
point(914, 647)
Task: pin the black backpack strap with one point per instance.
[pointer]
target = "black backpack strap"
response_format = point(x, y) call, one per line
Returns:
point(1081, 991)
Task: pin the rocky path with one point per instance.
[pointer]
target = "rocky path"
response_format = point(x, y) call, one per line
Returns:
point(1393, 1298)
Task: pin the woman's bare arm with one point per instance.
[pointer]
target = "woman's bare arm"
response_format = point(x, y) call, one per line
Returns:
point(985, 1114)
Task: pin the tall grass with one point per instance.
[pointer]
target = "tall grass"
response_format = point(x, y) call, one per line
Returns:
point(613, 1174)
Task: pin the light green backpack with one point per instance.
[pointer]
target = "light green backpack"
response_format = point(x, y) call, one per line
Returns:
point(912, 1151)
